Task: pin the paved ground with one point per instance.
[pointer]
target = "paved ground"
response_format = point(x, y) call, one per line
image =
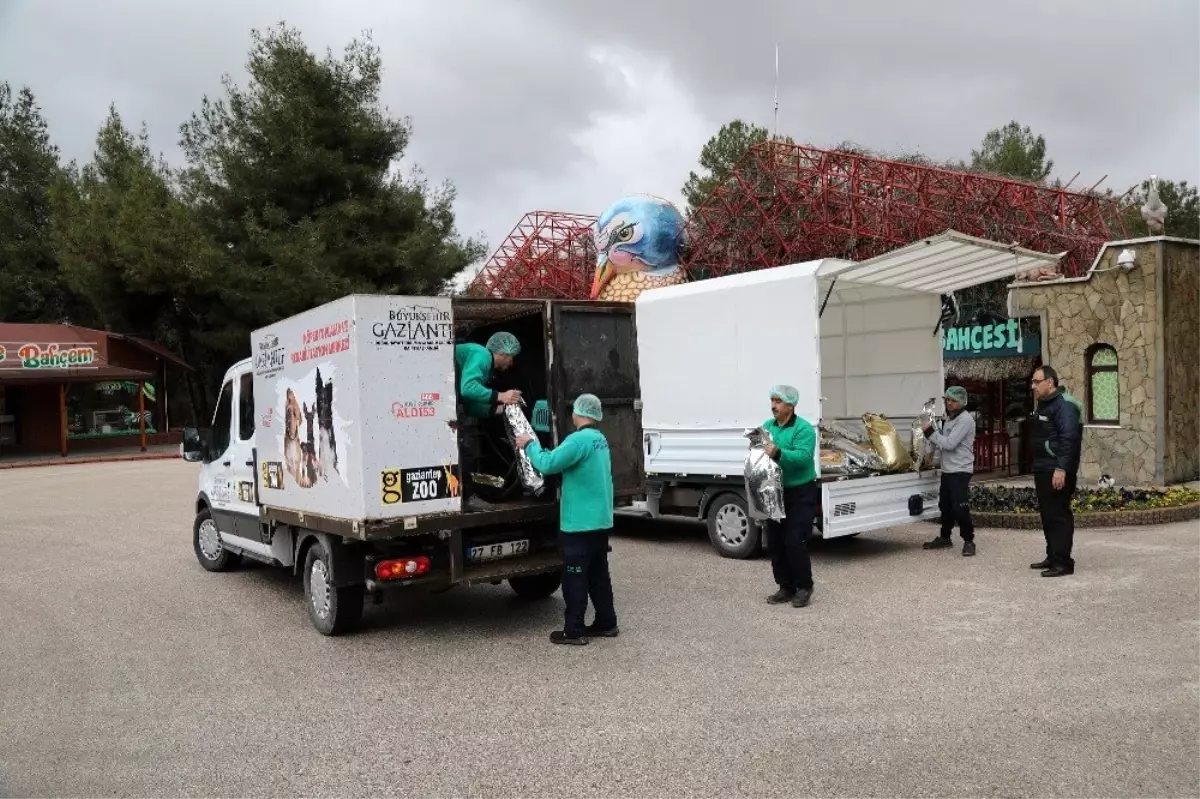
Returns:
point(127, 670)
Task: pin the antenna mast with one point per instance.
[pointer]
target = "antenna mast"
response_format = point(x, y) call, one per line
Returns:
point(775, 132)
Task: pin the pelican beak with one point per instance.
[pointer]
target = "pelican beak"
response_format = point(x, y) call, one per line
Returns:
point(604, 273)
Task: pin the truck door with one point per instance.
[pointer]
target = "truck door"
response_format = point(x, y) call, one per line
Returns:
point(594, 351)
point(230, 474)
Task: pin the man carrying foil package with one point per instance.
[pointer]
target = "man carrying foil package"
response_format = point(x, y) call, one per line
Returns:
point(475, 364)
point(955, 444)
point(793, 446)
point(585, 519)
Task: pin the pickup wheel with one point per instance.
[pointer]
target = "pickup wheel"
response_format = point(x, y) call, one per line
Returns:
point(333, 611)
point(731, 530)
point(206, 541)
point(536, 586)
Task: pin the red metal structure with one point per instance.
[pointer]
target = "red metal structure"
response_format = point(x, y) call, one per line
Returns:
point(548, 254)
point(786, 203)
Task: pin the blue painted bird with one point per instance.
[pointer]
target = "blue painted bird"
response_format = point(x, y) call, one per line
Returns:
point(639, 241)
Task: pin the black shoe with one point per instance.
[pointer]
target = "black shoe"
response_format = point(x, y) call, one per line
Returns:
point(968, 549)
point(593, 631)
point(781, 596)
point(1058, 571)
point(801, 598)
point(560, 637)
point(941, 542)
point(1041, 564)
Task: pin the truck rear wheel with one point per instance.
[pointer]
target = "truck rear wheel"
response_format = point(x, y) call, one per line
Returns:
point(206, 541)
point(333, 611)
point(731, 530)
point(536, 586)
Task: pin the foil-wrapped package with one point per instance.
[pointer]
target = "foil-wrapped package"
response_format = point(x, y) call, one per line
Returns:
point(518, 425)
point(764, 479)
point(887, 443)
point(920, 449)
point(842, 455)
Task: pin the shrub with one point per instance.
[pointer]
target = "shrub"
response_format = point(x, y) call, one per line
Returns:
point(1003, 499)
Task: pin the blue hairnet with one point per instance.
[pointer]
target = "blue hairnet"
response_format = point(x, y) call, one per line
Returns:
point(504, 344)
point(588, 406)
point(787, 394)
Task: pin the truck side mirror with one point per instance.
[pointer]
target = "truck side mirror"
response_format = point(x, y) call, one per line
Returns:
point(192, 449)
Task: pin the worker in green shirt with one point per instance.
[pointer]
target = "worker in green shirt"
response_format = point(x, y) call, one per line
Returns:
point(585, 519)
point(475, 364)
point(793, 447)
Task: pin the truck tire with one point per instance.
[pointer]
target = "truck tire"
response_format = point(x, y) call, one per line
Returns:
point(730, 529)
point(536, 586)
point(333, 611)
point(206, 541)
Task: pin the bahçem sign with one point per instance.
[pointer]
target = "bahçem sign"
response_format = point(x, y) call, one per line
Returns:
point(49, 356)
point(1007, 338)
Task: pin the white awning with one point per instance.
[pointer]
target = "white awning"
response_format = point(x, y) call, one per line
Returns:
point(941, 264)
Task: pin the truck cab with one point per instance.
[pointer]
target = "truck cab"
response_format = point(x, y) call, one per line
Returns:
point(339, 450)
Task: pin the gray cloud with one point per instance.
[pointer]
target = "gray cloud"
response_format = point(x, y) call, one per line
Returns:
point(565, 106)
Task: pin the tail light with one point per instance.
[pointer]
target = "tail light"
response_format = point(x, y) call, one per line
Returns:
point(402, 568)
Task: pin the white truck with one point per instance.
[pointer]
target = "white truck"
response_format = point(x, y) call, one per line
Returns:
point(709, 353)
point(339, 449)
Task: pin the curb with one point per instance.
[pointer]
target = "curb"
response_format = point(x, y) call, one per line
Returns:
point(1120, 518)
point(141, 456)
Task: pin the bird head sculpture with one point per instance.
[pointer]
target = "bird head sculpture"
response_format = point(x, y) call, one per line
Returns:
point(639, 243)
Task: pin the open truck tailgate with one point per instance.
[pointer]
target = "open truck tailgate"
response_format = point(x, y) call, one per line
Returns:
point(872, 503)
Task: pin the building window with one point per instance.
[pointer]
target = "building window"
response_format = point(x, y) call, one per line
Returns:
point(1104, 403)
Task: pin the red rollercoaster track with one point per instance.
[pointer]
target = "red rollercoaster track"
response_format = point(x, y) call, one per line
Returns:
point(787, 203)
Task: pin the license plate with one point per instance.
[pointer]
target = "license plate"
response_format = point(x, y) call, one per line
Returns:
point(507, 549)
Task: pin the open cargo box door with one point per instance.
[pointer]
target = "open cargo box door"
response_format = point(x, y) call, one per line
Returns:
point(594, 347)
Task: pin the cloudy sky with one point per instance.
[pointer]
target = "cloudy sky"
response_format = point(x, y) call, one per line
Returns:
point(536, 104)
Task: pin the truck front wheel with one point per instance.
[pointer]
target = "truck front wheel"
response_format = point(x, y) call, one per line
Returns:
point(206, 541)
point(731, 530)
point(536, 586)
point(333, 610)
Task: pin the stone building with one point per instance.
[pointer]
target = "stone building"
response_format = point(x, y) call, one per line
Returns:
point(1124, 340)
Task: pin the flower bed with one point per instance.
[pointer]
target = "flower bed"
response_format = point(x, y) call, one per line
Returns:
point(1001, 506)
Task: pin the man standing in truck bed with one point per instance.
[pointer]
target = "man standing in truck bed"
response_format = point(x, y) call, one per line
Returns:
point(475, 364)
point(955, 445)
point(585, 518)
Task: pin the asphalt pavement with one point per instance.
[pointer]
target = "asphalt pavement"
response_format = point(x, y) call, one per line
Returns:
point(127, 670)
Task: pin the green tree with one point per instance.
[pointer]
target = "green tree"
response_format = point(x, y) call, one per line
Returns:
point(29, 285)
point(1183, 209)
point(127, 243)
point(720, 155)
point(294, 179)
point(1013, 151)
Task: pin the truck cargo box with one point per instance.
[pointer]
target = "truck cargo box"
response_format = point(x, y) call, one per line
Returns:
point(354, 399)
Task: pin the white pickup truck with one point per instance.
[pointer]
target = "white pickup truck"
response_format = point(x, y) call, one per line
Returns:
point(853, 337)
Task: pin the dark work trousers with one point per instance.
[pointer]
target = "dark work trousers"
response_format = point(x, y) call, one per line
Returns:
point(954, 501)
point(1058, 521)
point(585, 575)
point(789, 538)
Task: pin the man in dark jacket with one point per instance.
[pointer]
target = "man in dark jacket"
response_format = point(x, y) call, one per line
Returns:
point(1057, 438)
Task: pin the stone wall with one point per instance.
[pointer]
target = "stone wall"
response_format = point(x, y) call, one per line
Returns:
point(1118, 308)
point(1181, 296)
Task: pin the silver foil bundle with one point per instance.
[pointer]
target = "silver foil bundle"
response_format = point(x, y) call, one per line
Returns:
point(920, 449)
point(842, 456)
point(518, 425)
point(764, 479)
